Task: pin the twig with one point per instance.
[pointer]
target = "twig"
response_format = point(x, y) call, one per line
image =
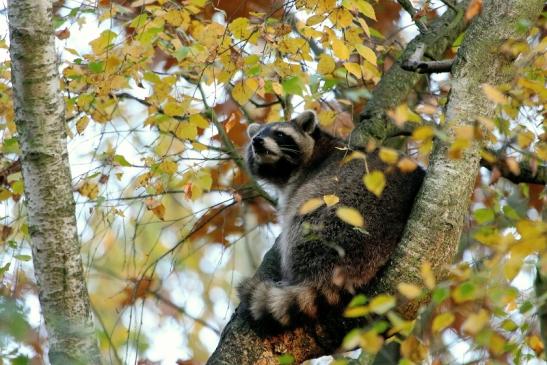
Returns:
point(409, 8)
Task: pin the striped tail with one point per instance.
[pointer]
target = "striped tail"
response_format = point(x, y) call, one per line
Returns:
point(268, 298)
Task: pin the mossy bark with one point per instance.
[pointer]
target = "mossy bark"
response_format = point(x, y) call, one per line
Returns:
point(39, 116)
point(435, 226)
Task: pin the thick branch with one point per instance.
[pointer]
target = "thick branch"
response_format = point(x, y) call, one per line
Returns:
point(428, 67)
point(396, 84)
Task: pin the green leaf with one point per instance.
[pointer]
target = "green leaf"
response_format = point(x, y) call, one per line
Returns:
point(484, 215)
point(120, 160)
point(286, 359)
point(96, 67)
point(293, 86)
point(23, 257)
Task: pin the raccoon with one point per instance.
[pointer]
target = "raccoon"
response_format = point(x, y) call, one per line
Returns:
point(324, 260)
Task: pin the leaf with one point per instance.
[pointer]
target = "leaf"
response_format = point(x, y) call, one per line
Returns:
point(155, 207)
point(354, 69)
point(464, 292)
point(103, 42)
point(493, 94)
point(350, 216)
point(199, 121)
point(168, 167)
point(407, 165)
point(484, 215)
point(293, 86)
point(382, 303)
point(173, 108)
point(286, 359)
point(423, 133)
point(371, 342)
point(410, 291)
point(355, 312)
point(186, 130)
point(326, 64)
point(89, 189)
point(340, 49)
point(366, 9)
point(244, 90)
point(388, 155)
point(442, 321)
point(375, 182)
point(426, 272)
point(81, 124)
point(367, 53)
point(23, 257)
point(475, 322)
point(119, 160)
point(310, 205)
point(331, 200)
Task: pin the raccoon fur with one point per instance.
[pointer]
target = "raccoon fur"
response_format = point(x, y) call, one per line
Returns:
point(324, 260)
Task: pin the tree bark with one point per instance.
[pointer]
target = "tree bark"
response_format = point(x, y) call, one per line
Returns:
point(39, 114)
point(435, 226)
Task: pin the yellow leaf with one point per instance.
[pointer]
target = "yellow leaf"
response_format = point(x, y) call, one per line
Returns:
point(413, 350)
point(341, 18)
point(326, 117)
point(475, 322)
point(331, 200)
point(186, 130)
point(423, 133)
point(89, 189)
point(407, 165)
point(354, 69)
point(172, 108)
point(104, 41)
point(388, 155)
point(512, 165)
point(350, 216)
point(427, 275)
point(371, 342)
point(340, 49)
point(358, 311)
point(442, 321)
point(375, 182)
point(168, 167)
point(364, 25)
point(382, 303)
point(367, 53)
point(310, 205)
point(82, 124)
point(326, 64)
point(525, 139)
point(174, 17)
point(244, 90)
point(199, 121)
point(493, 94)
point(410, 291)
point(366, 9)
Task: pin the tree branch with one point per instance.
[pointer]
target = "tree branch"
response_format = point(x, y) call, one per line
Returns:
point(409, 8)
point(396, 84)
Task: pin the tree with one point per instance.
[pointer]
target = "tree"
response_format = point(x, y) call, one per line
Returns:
point(170, 220)
point(40, 120)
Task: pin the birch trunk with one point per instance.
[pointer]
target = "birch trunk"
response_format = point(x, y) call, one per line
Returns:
point(39, 114)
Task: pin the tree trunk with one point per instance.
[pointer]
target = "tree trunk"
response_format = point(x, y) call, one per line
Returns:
point(435, 226)
point(39, 114)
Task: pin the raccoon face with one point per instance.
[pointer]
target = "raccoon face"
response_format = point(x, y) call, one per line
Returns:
point(277, 150)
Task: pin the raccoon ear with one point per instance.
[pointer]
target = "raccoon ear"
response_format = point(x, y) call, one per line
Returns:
point(253, 129)
point(307, 121)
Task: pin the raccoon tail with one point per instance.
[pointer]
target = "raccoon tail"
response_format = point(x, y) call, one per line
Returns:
point(265, 298)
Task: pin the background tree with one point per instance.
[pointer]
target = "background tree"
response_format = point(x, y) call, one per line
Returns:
point(158, 95)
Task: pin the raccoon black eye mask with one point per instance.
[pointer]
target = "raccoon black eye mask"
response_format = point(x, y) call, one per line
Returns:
point(323, 259)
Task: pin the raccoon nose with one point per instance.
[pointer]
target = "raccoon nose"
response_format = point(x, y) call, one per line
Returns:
point(258, 142)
